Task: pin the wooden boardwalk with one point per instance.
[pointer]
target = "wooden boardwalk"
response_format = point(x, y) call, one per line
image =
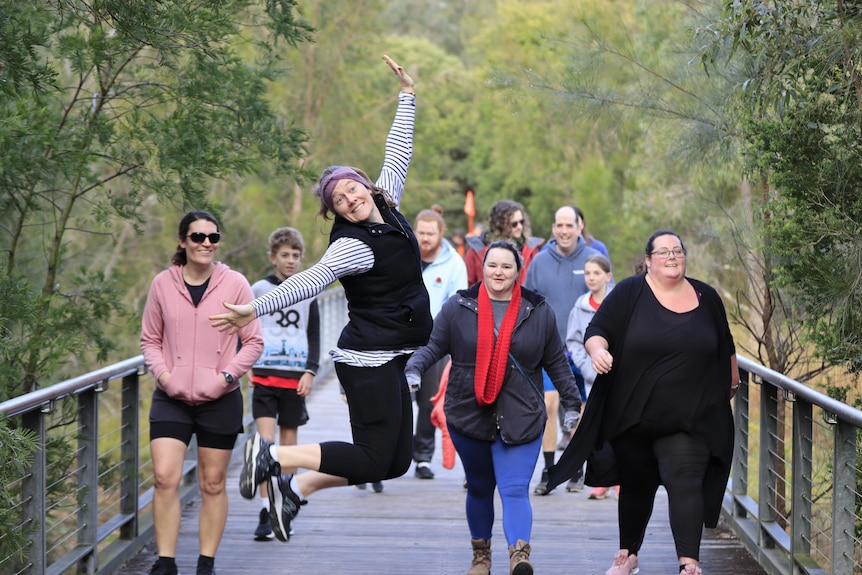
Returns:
point(418, 527)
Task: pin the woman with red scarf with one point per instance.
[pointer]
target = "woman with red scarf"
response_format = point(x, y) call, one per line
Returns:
point(500, 337)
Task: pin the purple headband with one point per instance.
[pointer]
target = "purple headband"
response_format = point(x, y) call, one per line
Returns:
point(328, 182)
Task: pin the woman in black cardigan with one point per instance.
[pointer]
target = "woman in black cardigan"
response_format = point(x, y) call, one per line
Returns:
point(666, 361)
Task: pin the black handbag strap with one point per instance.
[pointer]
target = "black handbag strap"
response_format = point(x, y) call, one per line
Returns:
point(527, 377)
point(521, 369)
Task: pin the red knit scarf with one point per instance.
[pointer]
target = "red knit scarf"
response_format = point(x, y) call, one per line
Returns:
point(491, 358)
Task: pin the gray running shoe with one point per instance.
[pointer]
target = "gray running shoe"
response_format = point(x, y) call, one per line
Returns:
point(257, 465)
point(284, 505)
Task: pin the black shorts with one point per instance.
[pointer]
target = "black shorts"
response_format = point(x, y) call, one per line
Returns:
point(284, 405)
point(215, 423)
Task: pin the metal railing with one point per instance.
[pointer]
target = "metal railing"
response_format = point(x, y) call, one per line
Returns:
point(85, 501)
point(793, 499)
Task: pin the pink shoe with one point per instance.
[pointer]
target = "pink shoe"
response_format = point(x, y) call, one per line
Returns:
point(617, 490)
point(691, 569)
point(624, 564)
point(599, 493)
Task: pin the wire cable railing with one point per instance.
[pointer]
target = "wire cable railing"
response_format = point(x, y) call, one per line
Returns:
point(85, 501)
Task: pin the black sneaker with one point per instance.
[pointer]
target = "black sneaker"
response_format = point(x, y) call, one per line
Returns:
point(257, 465)
point(377, 486)
point(264, 527)
point(163, 568)
point(541, 487)
point(283, 505)
point(423, 471)
point(206, 566)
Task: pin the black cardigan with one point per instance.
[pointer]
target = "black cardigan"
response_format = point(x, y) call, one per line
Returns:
point(714, 424)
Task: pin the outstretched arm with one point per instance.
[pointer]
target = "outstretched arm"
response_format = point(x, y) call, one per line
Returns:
point(399, 143)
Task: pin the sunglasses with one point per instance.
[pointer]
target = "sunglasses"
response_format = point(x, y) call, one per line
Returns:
point(516, 223)
point(199, 237)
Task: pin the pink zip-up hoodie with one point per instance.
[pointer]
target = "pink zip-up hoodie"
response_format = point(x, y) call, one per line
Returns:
point(177, 337)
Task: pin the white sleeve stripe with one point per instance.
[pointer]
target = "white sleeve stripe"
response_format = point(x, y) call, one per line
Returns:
point(399, 149)
point(301, 286)
point(348, 257)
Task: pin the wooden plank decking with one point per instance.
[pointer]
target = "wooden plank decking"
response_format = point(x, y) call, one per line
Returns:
point(418, 527)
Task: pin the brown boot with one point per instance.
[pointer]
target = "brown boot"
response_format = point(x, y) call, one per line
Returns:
point(481, 557)
point(519, 558)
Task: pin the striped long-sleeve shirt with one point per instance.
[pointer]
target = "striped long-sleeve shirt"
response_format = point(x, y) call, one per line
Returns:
point(350, 256)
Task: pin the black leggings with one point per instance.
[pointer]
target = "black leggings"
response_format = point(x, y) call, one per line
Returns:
point(645, 461)
point(381, 418)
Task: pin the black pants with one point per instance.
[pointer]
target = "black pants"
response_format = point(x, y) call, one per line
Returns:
point(381, 418)
point(423, 440)
point(646, 460)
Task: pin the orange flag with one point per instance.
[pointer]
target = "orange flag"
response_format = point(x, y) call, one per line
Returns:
point(469, 209)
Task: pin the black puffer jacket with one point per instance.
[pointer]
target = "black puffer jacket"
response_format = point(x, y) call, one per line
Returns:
point(519, 411)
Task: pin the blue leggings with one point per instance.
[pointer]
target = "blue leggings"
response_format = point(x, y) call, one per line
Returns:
point(509, 468)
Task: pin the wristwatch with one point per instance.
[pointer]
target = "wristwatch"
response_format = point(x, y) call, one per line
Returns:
point(228, 377)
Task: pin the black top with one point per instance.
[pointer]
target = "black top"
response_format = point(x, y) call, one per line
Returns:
point(667, 354)
point(388, 305)
point(708, 418)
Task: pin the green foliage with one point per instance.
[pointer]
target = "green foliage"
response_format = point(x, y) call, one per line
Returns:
point(800, 110)
point(17, 448)
point(108, 109)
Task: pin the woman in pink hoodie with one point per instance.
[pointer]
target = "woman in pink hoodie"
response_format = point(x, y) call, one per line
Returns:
point(197, 371)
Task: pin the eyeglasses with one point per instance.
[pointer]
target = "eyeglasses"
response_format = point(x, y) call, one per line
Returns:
point(663, 254)
point(516, 223)
point(199, 237)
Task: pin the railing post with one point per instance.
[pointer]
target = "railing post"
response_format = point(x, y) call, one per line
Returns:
point(130, 454)
point(739, 465)
point(843, 497)
point(33, 496)
point(88, 478)
point(767, 478)
point(800, 491)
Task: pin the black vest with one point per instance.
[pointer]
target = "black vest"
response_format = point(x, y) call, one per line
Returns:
point(388, 305)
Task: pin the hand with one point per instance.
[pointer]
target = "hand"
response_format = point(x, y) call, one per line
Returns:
point(602, 361)
point(403, 77)
point(305, 384)
point(570, 421)
point(414, 381)
point(238, 317)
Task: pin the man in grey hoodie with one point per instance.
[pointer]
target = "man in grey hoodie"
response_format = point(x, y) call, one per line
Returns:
point(557, 273)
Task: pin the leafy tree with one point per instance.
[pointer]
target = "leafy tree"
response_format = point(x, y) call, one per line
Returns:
point(16, 450)
point(107, 107)
point(801, 112)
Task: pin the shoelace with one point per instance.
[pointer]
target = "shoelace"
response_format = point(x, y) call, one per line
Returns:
point(481, 555)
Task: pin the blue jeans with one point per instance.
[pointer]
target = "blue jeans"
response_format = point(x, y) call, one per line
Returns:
point(508, 468)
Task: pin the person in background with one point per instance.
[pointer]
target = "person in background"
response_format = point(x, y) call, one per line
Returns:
point(500, 338)
point(597, 276)
point(283, 376)
point(444, 273)
point(507, 220)
point(557, 274)
point(373, 252)
point(197, 372)
point(666, 364)
point(588, 238)
point(458, 241)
